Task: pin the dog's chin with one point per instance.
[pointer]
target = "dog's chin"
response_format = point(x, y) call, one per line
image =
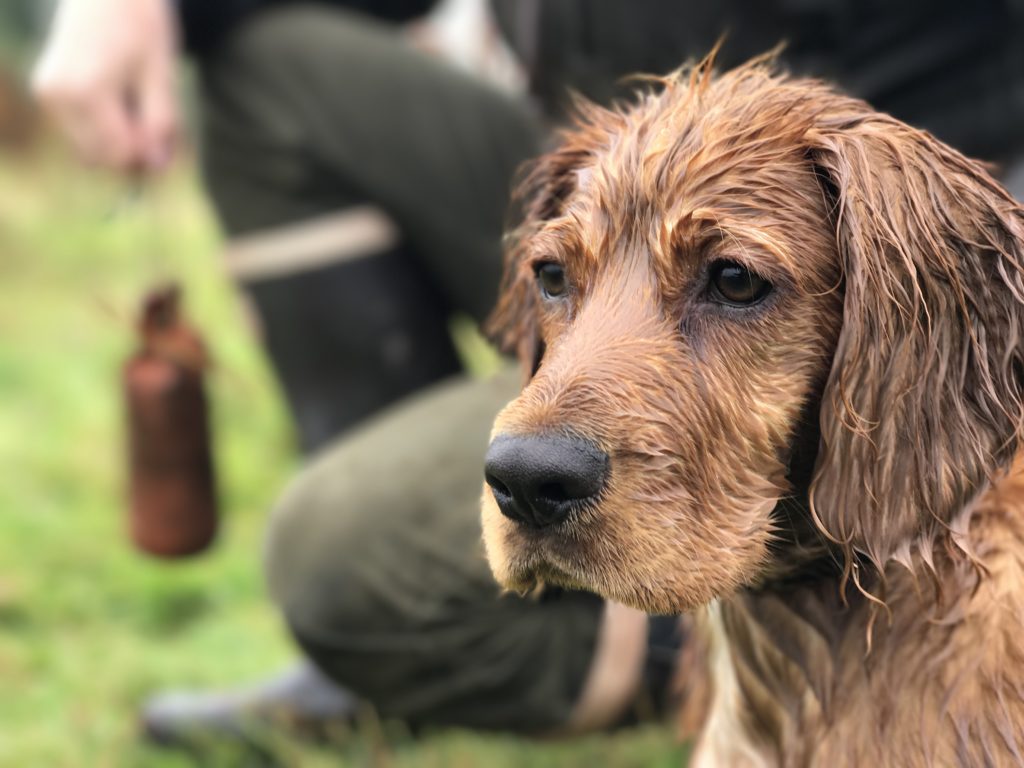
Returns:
point(655, 600)
point(540, 575)
point(524, 560)
point(519, 558)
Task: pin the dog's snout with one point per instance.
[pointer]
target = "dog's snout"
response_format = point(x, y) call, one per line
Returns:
point(539, 479)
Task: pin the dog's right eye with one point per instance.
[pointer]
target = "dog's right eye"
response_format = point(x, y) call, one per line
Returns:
point(551, 278)
point(735, 285)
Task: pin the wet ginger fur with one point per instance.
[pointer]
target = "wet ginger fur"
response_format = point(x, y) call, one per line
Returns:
point(829, 478)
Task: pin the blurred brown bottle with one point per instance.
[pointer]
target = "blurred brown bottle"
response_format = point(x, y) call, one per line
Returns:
point(171, 486)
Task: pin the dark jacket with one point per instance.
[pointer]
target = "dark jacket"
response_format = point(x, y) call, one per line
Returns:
point(954, 67)
point(205, 22)
point(951, 66)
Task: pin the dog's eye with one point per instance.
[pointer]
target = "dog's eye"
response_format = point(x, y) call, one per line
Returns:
point(552, 280)
point(737, 286)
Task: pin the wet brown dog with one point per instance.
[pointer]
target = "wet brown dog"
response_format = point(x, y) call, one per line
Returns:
point(777, 346)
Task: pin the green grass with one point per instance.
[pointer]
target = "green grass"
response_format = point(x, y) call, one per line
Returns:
point(88, 627)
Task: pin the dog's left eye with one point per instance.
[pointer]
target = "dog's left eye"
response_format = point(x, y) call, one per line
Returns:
point(552, 280)
point(735, 285)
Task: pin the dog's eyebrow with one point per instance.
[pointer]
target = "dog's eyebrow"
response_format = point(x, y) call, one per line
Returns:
point(558, 237)
point(705, 228)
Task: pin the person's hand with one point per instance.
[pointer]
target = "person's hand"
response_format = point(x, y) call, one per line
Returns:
point(107, 74)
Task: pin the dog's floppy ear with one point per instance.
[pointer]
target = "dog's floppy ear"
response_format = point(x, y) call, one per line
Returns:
point(924, 400)
point(547, 184)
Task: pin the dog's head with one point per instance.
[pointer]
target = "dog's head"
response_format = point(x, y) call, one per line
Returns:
point(709, 280)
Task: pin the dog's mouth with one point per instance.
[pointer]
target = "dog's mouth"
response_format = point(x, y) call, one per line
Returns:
point(527, 556)
point(667, 568)
point(539, 574)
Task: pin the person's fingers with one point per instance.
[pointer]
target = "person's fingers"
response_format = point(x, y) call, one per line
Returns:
point(157, 118)
point(91, 112)
point(57, 94)
point(107, 76)
point(109, 133)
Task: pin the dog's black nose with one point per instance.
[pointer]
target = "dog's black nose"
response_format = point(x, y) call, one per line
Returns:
point(539, 479)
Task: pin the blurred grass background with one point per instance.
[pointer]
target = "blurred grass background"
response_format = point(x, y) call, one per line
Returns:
point(88, 627)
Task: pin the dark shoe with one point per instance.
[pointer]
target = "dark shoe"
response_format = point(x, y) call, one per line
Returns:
point(302, 701)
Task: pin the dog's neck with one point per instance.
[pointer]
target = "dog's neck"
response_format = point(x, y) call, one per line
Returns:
point(816, 670)
point(804, 654)
point(800, 550)
point(782, 649)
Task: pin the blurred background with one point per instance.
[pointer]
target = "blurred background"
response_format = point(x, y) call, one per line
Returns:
point(89, 627)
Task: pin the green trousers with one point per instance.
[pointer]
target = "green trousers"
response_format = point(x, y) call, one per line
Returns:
point(374, 553)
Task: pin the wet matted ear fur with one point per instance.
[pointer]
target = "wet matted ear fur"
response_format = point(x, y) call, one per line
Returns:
point(547, 184)
point(923, 404)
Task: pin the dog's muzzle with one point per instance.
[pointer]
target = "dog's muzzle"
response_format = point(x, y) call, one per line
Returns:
point(538, 480)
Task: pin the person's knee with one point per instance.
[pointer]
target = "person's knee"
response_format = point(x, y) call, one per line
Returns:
point(384, 525)
point(332, 539)
point(312, 551)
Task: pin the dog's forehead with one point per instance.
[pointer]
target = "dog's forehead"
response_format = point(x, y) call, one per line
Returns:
point(677, 166)
point(677, 154)
point(669, 180)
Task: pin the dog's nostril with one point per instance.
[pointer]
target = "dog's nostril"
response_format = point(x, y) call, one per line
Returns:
point(539, 480)
point(496, 485)
point(553, 492)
